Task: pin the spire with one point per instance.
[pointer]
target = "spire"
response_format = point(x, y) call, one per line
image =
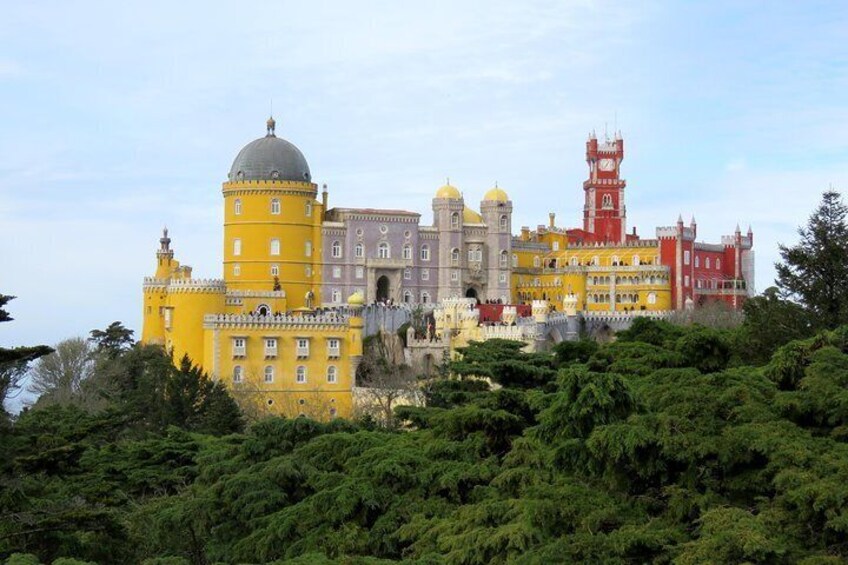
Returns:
point(271, 125)
point(165, 241)
point(738, 231)
point(680, 218)
point(750, 231)
point(693, 222)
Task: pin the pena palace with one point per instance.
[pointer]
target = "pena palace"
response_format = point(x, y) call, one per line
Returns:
point(300, 279)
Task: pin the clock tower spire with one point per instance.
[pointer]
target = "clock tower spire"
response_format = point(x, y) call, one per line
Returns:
point(604, 213)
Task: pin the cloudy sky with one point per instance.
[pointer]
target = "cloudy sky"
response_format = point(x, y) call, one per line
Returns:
point(117, 118)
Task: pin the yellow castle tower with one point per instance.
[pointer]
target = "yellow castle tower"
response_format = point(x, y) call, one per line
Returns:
point(255, 329)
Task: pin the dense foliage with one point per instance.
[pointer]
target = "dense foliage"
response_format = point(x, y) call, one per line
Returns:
point(659, 447)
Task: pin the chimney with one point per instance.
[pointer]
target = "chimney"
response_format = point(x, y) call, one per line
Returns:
point(552, 218)
point(525, 233)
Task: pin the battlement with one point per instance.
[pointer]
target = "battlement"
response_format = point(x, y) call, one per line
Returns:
point(730, 241)
point(666, 232)
point(334, 319)
point(185, 285)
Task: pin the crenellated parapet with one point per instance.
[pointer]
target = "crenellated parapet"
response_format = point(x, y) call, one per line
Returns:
point(215, 286)
point(281, 322)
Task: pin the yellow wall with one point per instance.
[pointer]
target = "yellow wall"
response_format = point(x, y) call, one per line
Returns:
point(318, 396)
point(256, 226)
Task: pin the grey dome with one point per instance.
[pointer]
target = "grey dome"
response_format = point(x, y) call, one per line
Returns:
point(270, 158)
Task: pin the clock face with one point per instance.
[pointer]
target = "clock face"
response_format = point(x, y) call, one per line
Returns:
point(606, 164)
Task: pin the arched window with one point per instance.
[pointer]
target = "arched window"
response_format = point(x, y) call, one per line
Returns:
point(269, 374)
point(337, 249)
point(504, 222)
point(275, 270)
point(454, 220)
point(514, 261)
point(614, 261)
point(718, 263)
point(307, 250)
point(454, 256)
point(336, 296)
point(308, 209)
point(636, 260)
point(383, 250)
point(504, 259)
point(573, 262)
point(407, 296)
point(407, 274)
point(236, 270)
point(275, 246)
point(332, 374)
point(237, 374)
point(707, 261)
point(236, 247)
point(407, 251)
point(359, 251)
point(275, 205)
point(595, 261)
point(536, 261)
point(237, 207)
point(697, 261)
point(425, 252)
point(425, 297)
point(606, 201)
point(300, 374)
point(652, 298)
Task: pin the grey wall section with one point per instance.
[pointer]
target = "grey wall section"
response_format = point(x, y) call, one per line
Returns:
point(386, 318)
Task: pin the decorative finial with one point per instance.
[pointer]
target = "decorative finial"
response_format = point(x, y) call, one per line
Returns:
point(496, 184)
point(165, 241)
point(680, 218)
point(447, 180)
point(737, 228)
point(750, 231)
point(271, 125)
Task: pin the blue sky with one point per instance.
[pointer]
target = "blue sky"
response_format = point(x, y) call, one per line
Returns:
point(117, 118)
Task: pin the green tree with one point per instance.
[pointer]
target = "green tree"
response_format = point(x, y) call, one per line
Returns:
point(15, 361)
point(815, 271)
point(770, 321)
point(114, 340)
point(60, 376)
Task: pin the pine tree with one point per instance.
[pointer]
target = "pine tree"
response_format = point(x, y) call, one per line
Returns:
point(815, 272)
point(14, 362)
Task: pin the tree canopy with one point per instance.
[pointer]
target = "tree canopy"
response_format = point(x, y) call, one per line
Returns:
point(665, 446)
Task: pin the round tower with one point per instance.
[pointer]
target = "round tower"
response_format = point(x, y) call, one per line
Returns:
point(270, 219)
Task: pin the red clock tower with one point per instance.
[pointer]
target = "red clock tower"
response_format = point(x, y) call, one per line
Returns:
point(604, 213)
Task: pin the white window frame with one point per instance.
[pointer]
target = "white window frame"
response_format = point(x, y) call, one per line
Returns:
point(302, 347)
point(384, 250)
point(269, 374)
point(425, 274)
point(237, 207)
point(332, 374)
point(271, 344)
point(236, 247)
point(337, 272)
point(425, 252)
point(687, 258)
point(236, 270)
point(307, 249)
point(308, 209)
point(239, 346)
point(454, 220)
point(503, 223)
point(360, 272)
point(336, 249)
point(275, 270)
point(359, 251)
point(300, 375)
point(275, 206)
point(454, 275)
point(336, 296)
point(454, 257)
point(275, 246)
point(407, 274)
point(334, 348)
point(238, 374)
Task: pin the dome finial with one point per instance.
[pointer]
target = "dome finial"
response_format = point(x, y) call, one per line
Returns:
point(271, 124)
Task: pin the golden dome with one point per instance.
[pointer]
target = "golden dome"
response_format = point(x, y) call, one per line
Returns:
point(356, 299)
point(496, 194)
point(448, 191)
point(469, 216)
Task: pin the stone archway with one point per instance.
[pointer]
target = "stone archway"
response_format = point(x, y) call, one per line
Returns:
point(382, 294)
point(472, 293)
